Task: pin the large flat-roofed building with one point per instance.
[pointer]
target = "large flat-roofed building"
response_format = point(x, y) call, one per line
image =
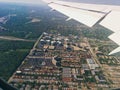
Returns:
point(92, 64)
point(66, 75)
point(66, 72)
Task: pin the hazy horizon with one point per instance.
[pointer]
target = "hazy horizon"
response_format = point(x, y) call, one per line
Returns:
point(111, 2)
point(23, 1)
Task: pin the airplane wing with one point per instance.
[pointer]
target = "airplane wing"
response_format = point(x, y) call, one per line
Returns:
point(91, 14)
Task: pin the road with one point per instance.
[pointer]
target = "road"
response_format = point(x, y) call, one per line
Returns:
point(92, 53)
point(96, 59)
point(15, 39)
point(10, 79)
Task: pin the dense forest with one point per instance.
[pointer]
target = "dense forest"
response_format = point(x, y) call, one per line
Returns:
point(12, 53)
point(17, 26)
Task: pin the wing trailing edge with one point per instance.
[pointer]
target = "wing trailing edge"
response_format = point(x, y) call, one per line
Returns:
point(112, 21)
point(84, 16)
point(115, 37)
point(115, 51)
point(91, 14)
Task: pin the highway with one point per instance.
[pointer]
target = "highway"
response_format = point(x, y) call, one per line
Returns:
point(92, 53)
point(96, 59)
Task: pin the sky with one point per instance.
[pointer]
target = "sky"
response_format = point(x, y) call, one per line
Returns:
point(23, 1)
point(112, 2)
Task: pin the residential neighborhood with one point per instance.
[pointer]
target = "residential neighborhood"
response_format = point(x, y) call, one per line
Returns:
point(59, 62)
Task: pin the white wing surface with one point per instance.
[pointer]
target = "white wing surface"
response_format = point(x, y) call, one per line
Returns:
point(91, 14)
point(112, 21)
point(86, 17)
point(115, 37)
